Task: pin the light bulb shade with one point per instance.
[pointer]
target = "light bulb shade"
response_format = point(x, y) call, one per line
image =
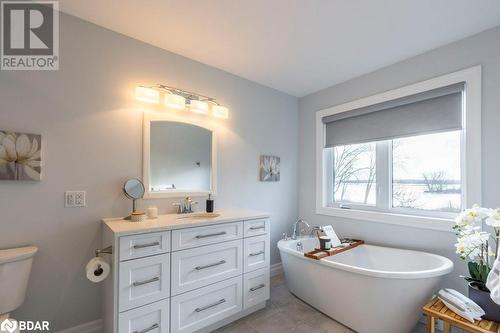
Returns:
point(220, 111)
point(198, 106)
point(147, 95)
point(174, 101)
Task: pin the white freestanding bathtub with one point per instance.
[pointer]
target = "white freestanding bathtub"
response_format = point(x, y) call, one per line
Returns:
point(371, 289)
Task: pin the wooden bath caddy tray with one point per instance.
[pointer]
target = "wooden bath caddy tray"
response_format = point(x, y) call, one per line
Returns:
point(347, 244)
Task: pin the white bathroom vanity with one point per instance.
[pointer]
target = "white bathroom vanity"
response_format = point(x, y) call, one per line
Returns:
point(185, 272)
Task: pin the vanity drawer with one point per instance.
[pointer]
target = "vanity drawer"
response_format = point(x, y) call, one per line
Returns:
point(143, 281)
point(256, 227)
point(152, 318)
point(255, 253)
point(143, 245)
point(194, 237)
point(195, 268)
point(202, 307)
point(255, 287)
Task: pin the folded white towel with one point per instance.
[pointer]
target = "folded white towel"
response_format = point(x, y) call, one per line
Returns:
point(460, 304)
point(493, 282)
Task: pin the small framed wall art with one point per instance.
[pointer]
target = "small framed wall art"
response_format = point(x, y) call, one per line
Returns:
point(20, 156)
point(269, 168)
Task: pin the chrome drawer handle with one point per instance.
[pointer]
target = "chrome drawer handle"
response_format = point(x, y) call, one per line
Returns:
point(260, 286)
point(256, 254)
point(140, 283)
point(211, 235)
point(141, 246)
point(257, 228)
point(198, 268)
point(210, 306)
point(148, 329)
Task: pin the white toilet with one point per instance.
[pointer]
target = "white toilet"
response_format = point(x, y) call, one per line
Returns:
point(15, 268)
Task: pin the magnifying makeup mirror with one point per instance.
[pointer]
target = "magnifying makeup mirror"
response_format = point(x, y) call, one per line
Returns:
point(133, 189)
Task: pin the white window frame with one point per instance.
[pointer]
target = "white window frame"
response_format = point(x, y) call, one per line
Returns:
point(470, 157)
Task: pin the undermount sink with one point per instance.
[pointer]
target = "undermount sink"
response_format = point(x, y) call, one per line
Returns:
point(198, 216)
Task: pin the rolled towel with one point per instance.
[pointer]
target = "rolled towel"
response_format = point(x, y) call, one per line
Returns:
point(493, 282)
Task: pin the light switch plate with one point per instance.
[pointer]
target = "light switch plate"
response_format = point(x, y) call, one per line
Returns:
point(73, 199)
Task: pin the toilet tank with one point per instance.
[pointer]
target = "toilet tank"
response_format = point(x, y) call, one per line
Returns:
point(15, 268)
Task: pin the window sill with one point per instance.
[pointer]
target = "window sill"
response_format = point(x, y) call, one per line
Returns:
point(421, 222)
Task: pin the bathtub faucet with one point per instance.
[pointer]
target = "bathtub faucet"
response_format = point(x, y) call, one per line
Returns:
point(314, 230)
point(296, 231)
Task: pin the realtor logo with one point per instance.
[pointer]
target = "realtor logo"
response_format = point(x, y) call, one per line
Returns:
point(30, 35)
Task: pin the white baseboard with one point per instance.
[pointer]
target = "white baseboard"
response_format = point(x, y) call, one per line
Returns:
point(90, 327)
point(276, 269)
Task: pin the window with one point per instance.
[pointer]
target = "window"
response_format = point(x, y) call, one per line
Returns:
point(423, 173)
point(409, 156)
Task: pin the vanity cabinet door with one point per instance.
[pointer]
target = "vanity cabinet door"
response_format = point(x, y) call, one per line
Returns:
point(255, 253)
point(202, 307)
point(195, 268)
point(256, 227)
point(151, 318)
point(142, 281)
point(143, 245)
point(255, 287)
point(199, 236)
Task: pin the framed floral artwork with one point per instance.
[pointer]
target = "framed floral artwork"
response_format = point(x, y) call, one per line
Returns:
point(269, 168)
point(20, 156)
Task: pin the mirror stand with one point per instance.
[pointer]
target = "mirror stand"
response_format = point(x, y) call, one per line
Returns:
point(133, 189)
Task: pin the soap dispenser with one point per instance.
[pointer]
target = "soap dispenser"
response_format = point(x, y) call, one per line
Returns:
point(210, 204)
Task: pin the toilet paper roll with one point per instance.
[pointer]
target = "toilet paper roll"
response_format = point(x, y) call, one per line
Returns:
point(97, 270)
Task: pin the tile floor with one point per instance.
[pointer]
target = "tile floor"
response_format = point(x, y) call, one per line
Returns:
point(285, 313)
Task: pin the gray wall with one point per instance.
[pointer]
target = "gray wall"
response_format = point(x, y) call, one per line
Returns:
point(481, 49)
point(92, 141)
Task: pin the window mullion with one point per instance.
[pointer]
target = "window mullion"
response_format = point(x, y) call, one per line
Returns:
point(383, 171)
point(329, 158)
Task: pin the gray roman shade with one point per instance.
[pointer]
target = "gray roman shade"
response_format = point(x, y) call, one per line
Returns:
point(436, 110)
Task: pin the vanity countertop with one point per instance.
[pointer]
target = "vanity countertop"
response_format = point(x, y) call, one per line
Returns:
point(119, 226)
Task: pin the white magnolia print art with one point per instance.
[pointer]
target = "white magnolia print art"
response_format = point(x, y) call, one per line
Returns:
point(20, 156)
point(269, 168)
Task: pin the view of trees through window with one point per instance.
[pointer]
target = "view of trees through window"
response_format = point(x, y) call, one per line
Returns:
point(425, 172)
point(355, 173)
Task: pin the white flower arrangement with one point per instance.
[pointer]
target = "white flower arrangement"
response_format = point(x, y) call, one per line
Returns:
point(473, 243)
point(493, 218)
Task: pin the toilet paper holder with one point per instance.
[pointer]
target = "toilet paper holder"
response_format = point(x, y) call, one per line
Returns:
point(98, 252)
point(106, 250)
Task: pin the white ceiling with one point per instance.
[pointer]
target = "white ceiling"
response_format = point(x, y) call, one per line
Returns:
point(296, 46)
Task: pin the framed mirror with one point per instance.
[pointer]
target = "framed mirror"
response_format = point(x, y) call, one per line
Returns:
point(179, 157)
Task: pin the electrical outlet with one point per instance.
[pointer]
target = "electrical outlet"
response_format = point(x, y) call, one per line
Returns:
point(74, 199)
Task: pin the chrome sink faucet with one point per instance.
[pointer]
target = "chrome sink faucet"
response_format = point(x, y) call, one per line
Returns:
point(185, 207)
point(296, 231)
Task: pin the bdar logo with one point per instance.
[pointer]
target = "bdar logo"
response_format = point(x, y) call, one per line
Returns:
point(8, 326)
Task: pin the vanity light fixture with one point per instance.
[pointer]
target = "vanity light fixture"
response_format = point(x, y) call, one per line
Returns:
point(178, 99)
point(147, 95)
point(198, 107)
point(174, 101)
